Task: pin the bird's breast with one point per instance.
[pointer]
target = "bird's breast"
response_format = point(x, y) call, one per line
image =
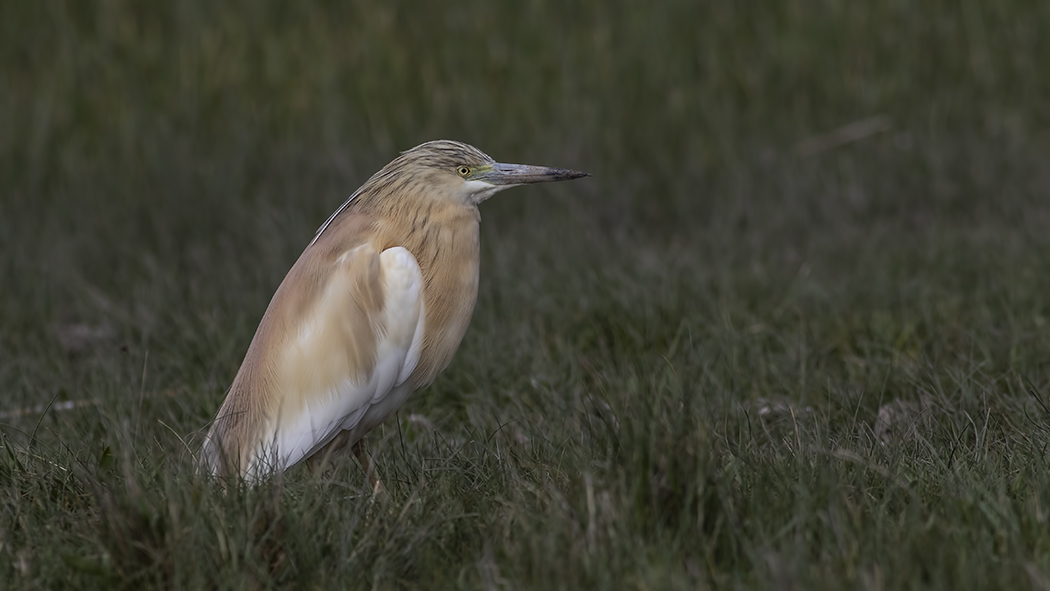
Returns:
point(448, 254)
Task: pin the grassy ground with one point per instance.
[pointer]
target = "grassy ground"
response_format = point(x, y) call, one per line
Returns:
point(760, 348)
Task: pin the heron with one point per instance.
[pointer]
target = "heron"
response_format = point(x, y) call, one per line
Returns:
point(374, 309)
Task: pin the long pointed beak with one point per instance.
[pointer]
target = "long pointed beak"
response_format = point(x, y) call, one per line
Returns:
point(521, 174)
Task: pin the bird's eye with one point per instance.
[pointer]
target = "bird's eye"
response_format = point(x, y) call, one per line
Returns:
point(463, 170)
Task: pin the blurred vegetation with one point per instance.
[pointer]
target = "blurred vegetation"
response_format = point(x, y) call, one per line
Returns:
point(681, 372)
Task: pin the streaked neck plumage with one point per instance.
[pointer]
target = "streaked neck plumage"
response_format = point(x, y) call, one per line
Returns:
point(442, 233)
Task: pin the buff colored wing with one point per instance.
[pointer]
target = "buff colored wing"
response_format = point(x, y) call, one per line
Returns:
point(339, 365)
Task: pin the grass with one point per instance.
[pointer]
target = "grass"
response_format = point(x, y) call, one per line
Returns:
point(676, 369)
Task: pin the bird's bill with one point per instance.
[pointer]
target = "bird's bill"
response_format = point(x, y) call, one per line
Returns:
point(521, 174)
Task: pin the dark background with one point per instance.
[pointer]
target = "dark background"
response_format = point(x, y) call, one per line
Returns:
point(806, 217)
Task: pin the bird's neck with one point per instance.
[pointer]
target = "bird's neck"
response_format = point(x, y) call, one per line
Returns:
point(444, 238)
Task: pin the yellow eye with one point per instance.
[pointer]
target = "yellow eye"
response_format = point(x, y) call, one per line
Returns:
point(463, 170)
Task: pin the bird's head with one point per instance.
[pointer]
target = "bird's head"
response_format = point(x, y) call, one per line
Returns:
point(443, 170)
point(454, 170)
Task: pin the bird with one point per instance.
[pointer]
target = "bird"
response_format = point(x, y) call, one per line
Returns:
point(373, 309)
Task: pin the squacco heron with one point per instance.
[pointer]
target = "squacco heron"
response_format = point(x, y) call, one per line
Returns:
point(374, 309)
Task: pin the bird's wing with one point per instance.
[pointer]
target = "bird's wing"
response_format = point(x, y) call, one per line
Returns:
point(358, 341)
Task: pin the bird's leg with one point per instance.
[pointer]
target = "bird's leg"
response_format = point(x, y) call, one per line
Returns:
point(361, 453)
point(319, 460)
